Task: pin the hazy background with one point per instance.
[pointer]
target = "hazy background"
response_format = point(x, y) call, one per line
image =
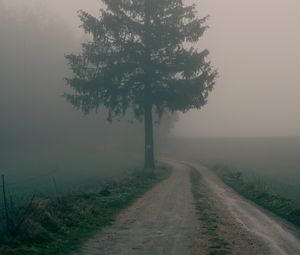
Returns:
point(41, 135)
point(255, 46)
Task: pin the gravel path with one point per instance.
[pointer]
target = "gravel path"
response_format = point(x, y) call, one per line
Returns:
point(164, 222)
point(260, 231)
point(161, 222)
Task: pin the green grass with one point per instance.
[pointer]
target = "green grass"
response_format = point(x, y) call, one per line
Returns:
point(207, 216)
point(261, 194)
point(59, 226)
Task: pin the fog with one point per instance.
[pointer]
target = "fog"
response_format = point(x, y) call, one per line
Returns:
point(254, 45)
point(40, 132)
point(89, 124)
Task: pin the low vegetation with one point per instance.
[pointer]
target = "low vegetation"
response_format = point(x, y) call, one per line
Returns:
point(58, 226)
point(208, 217)
point(261, 194)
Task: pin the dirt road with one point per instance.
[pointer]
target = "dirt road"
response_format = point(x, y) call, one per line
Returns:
point(164, 221)
point(161, 222)
point(276, 236)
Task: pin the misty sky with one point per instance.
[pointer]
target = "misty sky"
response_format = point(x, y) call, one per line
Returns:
point(255, 46)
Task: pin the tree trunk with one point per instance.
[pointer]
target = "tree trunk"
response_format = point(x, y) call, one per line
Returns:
point(149, 144)
point(148, 121)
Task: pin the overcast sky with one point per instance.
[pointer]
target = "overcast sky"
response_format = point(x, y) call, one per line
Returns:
point(255, 46)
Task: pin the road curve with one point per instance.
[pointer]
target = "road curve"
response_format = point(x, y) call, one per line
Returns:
point(279, 237)
point(162, 222)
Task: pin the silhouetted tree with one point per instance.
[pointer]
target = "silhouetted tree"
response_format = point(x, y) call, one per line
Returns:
point(141, 57)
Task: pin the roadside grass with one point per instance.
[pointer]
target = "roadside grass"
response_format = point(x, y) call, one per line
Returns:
point(59, 226)
point(261, 194)
point(207, 216)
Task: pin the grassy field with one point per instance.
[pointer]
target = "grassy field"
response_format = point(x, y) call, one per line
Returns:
point(60, 168)
point(60, 225)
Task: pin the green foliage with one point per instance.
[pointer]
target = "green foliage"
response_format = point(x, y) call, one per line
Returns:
point(138, 55)
point(259, 193)
point(58, 226)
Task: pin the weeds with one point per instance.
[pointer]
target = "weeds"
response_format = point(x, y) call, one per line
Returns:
point(60, 225)
point(14, 217)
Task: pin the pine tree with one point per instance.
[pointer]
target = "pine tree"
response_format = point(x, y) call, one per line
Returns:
point(141, 56)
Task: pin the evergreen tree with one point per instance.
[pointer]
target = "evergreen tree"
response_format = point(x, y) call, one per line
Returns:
point(141, 56)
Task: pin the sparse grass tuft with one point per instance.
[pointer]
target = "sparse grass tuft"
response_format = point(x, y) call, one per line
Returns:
point(207, 215)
